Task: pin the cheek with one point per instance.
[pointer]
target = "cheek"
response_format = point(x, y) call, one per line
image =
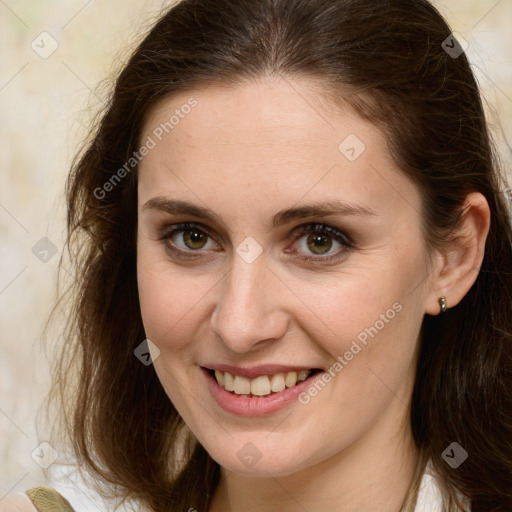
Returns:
point(371, 315)
point(358, 304)
point(170, 299)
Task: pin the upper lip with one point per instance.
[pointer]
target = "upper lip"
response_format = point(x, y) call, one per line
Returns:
point(256, 371)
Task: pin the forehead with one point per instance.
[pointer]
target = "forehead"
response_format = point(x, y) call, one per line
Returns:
point(287, 113)
point(280, 138)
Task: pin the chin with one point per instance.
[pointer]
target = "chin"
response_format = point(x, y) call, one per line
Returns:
point(251, 460)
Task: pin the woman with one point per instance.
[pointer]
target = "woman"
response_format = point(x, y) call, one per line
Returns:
point(291, 208)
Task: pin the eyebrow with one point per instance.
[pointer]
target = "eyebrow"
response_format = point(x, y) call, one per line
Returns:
point(324, 209)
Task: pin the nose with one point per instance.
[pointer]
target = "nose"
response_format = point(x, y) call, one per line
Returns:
point(248, 313)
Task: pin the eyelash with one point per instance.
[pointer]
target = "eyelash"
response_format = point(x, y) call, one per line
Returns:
point(298, 233)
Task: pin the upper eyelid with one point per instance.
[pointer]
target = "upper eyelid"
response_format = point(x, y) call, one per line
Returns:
point(347, 243)
point(172, 227)
point(177, 227)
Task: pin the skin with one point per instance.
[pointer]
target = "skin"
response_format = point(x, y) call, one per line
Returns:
point(16, 502)
point(246, 153)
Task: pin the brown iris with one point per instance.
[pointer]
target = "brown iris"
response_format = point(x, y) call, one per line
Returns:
point(192, 237)
point(314, 241)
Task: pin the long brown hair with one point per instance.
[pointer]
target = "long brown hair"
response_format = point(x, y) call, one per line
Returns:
point(389, 61)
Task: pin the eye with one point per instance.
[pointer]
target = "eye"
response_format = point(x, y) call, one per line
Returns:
point(182, 240)
point(319, 240)
point(186, 237)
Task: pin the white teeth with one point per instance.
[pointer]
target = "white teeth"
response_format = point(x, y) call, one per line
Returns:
point(291, 379)
point(277, 382)
point(262, 385)
point(302, 375)
point(242, 385)
point(228, 381)
point(220, 377)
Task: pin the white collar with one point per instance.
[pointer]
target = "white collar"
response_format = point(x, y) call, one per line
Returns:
point(429, 493)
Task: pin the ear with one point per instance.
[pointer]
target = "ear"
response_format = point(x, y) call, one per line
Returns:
point(459, 262)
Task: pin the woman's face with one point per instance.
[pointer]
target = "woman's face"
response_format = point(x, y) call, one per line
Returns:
point(247, 285)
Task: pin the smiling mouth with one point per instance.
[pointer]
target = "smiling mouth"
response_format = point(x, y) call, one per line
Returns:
point(263, 385)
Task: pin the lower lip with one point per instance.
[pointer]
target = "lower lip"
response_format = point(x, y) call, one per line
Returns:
point(243, 405)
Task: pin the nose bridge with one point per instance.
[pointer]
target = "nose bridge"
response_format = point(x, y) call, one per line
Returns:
point(246, 312)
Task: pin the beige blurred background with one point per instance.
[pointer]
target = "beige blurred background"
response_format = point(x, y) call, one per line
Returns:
point(46, 102)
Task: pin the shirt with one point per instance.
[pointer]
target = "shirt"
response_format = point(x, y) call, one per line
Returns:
point(429, 493)
point(429, 499)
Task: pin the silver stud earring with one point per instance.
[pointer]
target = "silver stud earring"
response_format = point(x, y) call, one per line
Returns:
point(442, 303)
